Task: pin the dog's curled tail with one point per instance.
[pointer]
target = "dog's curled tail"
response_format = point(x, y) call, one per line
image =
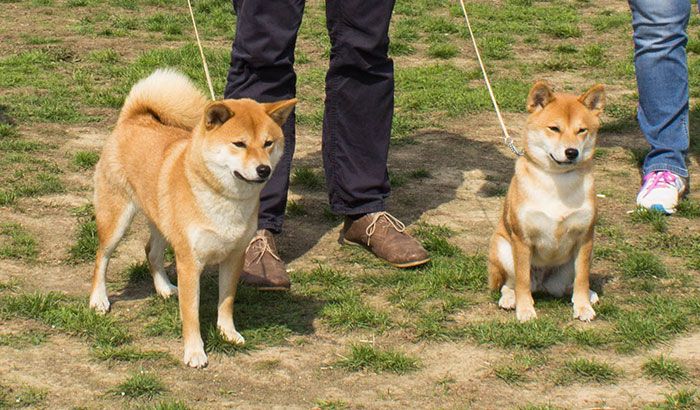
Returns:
point(167, 95)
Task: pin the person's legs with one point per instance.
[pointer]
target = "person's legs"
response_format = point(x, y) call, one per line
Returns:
point(662, 80)
point(262, 61)
point(357, 129)
point(359, 105)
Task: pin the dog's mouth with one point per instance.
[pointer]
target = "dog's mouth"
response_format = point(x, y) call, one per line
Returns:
point(567, 162)
point(250, 181)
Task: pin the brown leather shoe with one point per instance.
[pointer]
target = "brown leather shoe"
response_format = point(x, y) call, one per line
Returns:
point(385, 236)
point(263, 269)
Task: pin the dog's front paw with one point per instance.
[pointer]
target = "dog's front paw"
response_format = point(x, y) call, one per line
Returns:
point(99, 303)
point(584, 312)
point(195, 358)
point(507, 300)
point(231, 335)
point(525, 313)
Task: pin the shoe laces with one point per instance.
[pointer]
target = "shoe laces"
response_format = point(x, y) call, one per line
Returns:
point(264, 248)
point(659, 179)
point(393, 221)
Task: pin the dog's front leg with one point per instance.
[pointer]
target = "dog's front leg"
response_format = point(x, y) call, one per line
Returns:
point(524, 304)
point(188, 275)
point(582, 296)
point(229, 273)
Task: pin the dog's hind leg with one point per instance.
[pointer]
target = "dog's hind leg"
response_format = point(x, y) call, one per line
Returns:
point(113, 215)
point(155, 252)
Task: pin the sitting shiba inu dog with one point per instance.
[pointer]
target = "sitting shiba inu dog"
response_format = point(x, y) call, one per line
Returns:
point(195, 169)
point(544, 239)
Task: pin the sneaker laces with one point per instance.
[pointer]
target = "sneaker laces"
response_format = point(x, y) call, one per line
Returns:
point(393, 221)
point(265, 248)
point(659, 179)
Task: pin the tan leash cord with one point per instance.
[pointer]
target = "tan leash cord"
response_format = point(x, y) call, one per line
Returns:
point(507, 139)
point(201, 52)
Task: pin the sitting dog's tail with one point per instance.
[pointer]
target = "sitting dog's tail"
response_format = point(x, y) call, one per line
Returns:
point(169, 97)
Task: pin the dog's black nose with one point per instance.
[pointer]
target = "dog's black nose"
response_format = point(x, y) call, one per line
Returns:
point(571, 153)
point(263, 171)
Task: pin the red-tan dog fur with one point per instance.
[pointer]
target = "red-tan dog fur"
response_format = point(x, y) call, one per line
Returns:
point(544, 239)
point(193, 168)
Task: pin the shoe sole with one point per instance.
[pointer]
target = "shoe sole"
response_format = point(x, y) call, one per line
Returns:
point(407, 264)
point(660, 208)
point(404, 265)
point(273, 288)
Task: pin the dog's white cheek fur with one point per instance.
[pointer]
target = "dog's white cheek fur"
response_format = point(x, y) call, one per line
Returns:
point(539, 148)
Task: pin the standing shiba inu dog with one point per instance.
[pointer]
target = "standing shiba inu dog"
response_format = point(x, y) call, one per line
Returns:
point(545, 236)
point(195, 169)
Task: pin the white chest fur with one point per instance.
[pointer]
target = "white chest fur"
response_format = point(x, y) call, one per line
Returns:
point(231, 226)
point(557, 211)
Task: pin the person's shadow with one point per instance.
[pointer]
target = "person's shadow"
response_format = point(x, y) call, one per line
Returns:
point(425, 173)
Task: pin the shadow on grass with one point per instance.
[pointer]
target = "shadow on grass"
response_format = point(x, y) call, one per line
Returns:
point(425, 173)
point(263, 318)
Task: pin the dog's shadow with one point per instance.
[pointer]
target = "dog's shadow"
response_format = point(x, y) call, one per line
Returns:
point(255, 312)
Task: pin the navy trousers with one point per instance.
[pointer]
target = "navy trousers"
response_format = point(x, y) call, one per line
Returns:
point(359, 101)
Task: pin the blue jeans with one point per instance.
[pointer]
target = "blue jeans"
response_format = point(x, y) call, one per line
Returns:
point(662, 81)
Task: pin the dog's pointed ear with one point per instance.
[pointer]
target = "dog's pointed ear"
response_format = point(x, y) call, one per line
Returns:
point(216, 114)
point(279, 111)
point(540, 95)
point(594, 99)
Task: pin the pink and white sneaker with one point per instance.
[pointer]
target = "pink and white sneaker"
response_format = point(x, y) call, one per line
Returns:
point(661, 191)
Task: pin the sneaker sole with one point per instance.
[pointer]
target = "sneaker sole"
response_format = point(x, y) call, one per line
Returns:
point(660, 208)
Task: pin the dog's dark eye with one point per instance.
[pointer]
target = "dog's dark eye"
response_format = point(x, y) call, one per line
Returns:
point(239, 144)
point(582, 130)
point(268, 144)
point(555, 129)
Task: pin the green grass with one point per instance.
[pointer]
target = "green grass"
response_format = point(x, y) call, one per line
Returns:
point(8, 131)
point(535, 334)
point(28, 178)
point(683, 399)
point(295, 209)
point(307, 177)
point(85, 159)
point(86, 243)
point(442, 50)
point(368, 358)
point(642, 264)
point(23, 340)
point(656, 219)
point(331, 405)
point(688, 208)
point(129, 353)
point(69, 315)
point(165, 315)
point(17, 243)
point(664, 368)
point(25, 396)
point(510, 374)
point(655, 319)
point(343, 306)
point(588, 371)
point(137, 272)
point(140, 385)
